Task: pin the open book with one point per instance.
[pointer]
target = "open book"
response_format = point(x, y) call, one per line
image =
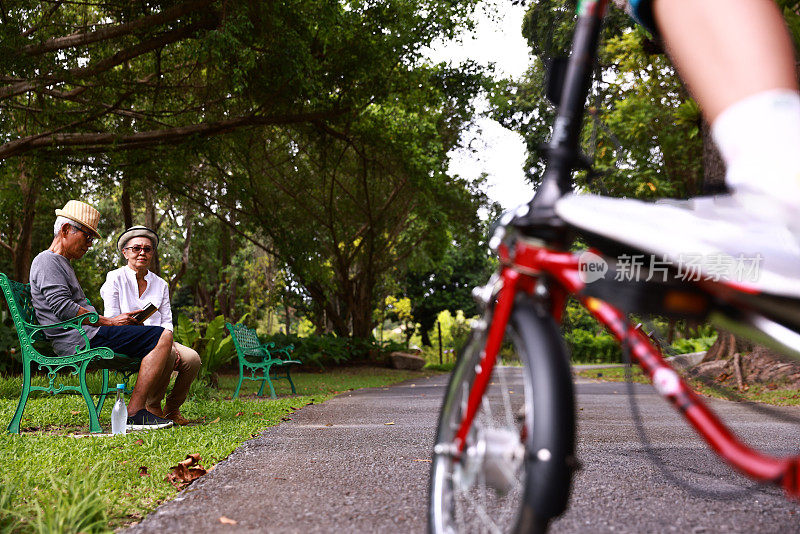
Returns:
point(149, 310)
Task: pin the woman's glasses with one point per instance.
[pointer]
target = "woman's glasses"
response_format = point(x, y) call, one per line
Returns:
point(136, 249)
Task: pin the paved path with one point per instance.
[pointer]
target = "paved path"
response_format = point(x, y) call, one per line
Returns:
point(339, 467)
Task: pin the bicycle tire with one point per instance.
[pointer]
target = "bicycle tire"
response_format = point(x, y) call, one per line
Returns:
point(542, 477)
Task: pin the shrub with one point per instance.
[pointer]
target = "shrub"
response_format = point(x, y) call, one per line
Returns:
point(587, 340)
point(214, 346)
point(695, 344)
point(329, 349)
point(455, 331)
point(588, 347)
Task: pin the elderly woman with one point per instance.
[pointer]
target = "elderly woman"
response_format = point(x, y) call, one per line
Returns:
point(134, 287)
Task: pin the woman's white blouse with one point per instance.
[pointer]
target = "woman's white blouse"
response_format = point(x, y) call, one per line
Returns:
point(121, 295)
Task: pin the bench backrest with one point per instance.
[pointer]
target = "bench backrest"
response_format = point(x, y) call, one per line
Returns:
point(20, 304)
point(245, 340)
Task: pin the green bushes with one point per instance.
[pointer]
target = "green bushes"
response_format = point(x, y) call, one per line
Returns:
point(589, 342)
point(590, 347)
point(214, 346)
point(695, 344)
point(330, 350)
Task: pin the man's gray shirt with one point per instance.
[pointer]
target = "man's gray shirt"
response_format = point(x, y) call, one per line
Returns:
point(57, 296)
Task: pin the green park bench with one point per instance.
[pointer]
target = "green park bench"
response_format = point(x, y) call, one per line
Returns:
point(18, 298)
point(259, 360)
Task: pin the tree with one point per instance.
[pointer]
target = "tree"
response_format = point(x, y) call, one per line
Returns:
point(642, 128)
point(447, 284)
point(118, 98)
point(346, 209)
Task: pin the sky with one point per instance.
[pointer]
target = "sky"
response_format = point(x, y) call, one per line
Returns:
point(500, 153)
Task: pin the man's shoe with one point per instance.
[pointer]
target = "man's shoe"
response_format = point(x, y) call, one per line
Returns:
point(714, 236)
point(144, 420)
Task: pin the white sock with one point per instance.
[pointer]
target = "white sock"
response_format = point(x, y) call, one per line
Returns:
point(759, 140)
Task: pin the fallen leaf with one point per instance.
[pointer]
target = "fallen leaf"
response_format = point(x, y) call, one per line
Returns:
point(257, 413)
point(74, 412)
point(186, 472)
point(143, 471)
point(420, 460)
point(389, 423)
point(225, 521)
point(139, 442)
point(239, 413)
point(214, 421)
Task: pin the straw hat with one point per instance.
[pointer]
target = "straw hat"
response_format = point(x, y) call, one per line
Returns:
point(81, 213)
point(136, 231)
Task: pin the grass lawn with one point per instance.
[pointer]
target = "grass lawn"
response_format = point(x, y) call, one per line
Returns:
point(57, 478)
point(754, 393)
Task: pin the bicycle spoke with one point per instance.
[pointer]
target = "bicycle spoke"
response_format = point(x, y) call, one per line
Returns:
point(506, 397)
point(482, 514)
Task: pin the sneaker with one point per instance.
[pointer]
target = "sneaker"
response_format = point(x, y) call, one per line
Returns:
point(144, 420)
point(714, 236)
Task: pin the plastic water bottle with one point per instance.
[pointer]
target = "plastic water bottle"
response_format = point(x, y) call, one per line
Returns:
point(119, 414)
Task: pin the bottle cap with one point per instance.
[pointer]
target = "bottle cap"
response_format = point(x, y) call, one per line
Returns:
point(120, 386)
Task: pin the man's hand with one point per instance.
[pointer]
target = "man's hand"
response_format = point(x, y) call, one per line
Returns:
point(123, 319)
point(118, 320)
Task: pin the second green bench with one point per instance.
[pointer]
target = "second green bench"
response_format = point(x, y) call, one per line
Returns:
point(259, 360)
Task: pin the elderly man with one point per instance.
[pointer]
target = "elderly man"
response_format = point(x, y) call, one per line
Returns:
point(57, 296)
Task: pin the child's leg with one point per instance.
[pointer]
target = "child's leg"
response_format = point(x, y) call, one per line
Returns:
point(737, 59)
point(727, 50)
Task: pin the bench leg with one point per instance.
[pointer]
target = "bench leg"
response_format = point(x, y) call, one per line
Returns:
point(289, 378)
point(13, 427)
point(103, 392)
point(94, 422)
point(271, 389)
point(241, 379)
point(261, 389)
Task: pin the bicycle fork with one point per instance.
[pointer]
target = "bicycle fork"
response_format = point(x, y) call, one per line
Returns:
point(497, 328)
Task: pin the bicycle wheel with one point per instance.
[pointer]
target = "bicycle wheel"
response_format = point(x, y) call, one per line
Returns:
point(515, 472)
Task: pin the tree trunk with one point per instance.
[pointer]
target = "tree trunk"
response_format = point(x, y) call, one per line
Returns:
point(288, 312)
point(150, 222)
point(726, 346)
point(713, 166)
point(22, 248)
point(173, 283)
point(127, 211)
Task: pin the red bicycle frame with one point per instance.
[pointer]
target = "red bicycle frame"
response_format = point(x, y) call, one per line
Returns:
point(520, 271)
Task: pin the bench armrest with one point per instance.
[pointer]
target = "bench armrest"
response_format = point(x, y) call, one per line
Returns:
point(75, 323)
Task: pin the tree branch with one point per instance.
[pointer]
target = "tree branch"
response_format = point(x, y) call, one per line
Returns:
point(111, 32)
point(96, 141)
